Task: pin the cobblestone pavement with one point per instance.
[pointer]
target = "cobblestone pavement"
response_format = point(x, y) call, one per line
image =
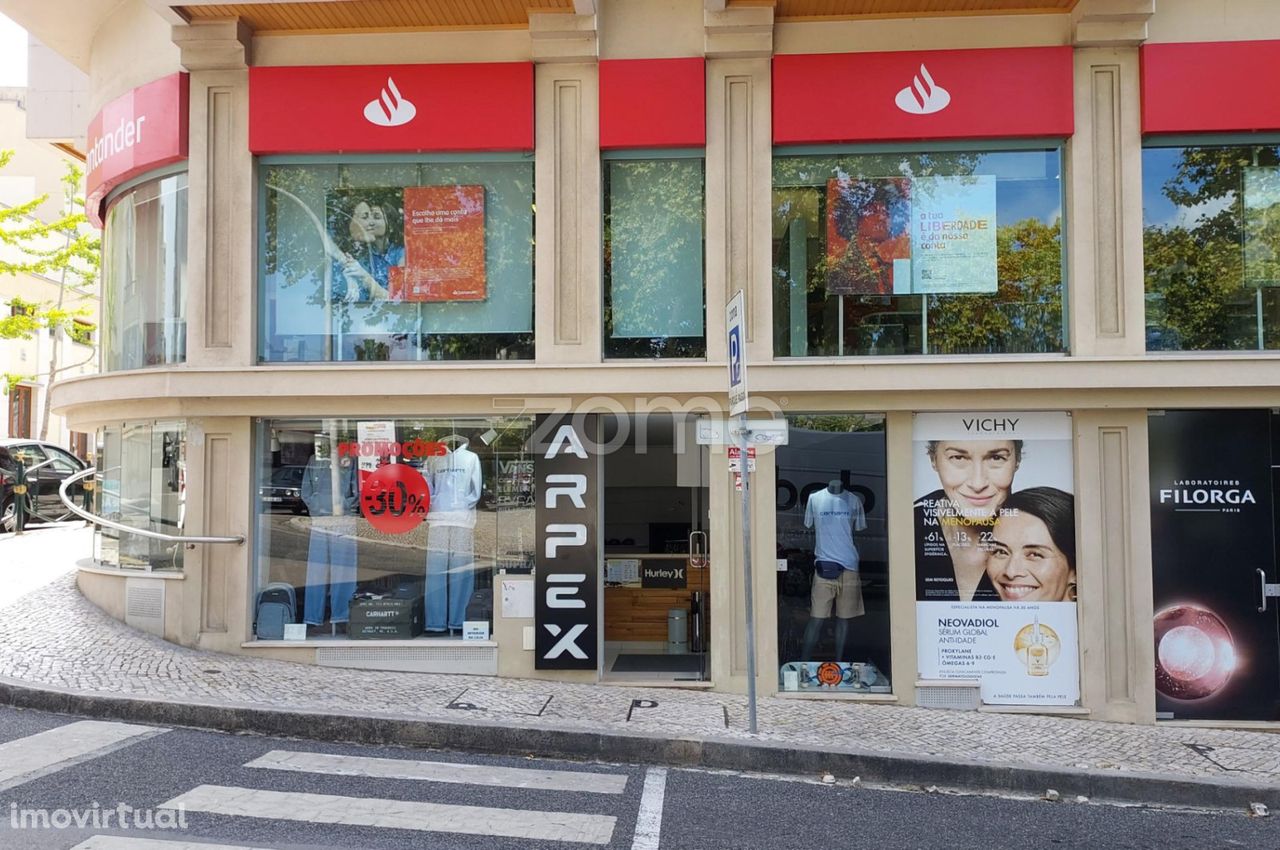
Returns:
point(55, 637)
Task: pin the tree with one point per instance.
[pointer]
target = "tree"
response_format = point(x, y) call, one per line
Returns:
point(63, 250)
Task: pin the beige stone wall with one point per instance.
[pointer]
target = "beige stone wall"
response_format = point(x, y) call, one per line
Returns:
point(132, 47)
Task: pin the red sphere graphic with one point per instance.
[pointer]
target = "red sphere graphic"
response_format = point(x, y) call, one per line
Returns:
point(1195, 655)
point(395, 499)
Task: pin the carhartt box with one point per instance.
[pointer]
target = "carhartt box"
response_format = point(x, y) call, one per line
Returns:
point(385, 619)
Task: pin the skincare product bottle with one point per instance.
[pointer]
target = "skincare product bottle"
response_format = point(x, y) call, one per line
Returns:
point(1037, 653)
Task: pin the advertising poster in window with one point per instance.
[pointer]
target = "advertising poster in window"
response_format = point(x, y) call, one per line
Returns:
point(996, 554)
point(868, 236)
point(1217, 638)
point(1262, 226)
point(953, 235)
point(419, 244)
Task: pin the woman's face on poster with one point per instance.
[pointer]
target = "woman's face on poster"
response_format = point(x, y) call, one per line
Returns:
point(976, 475)
point(1024, 564)
point(368, 223)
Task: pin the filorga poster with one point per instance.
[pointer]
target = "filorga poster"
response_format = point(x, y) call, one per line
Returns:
point(996, 554)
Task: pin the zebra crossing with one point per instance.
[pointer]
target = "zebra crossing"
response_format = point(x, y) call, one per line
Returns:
point(261, 811)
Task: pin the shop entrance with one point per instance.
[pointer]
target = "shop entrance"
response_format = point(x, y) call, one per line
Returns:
point(1214, 517)
point(656, 563)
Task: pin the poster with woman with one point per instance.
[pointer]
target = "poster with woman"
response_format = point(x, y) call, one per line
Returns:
point(994, 515)
point(366, 241)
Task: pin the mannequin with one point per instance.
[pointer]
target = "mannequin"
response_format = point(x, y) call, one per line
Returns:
point(329, 491)
point(456, 485)
point(834, 514)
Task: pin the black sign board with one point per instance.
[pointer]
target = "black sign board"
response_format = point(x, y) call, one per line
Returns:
point(1212, 523)
point(670, 574)
point(566, 610)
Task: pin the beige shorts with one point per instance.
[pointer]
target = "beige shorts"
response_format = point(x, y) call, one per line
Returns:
point(845, 592)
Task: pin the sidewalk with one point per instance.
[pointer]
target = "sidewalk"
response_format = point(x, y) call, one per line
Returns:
point(59, 652)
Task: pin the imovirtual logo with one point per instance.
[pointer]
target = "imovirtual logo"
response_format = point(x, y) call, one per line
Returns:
point(390, 108)
point(923, 96)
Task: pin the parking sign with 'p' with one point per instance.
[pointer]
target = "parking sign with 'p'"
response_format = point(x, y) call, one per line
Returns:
point(735, 321)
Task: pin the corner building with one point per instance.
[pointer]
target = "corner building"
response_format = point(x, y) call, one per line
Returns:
point(427, 305)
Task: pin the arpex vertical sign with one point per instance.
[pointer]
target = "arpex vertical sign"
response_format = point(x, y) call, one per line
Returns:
point(139, 131)
point(566, 610)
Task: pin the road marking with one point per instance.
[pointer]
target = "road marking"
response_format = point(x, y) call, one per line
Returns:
point(649, 820)
point(395, 814)
point(47, 752)
point(115, 842)
point(432, 771)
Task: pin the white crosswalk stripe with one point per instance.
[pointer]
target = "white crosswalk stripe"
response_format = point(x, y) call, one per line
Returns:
point(115, 842)
point(430, 771)
point(34, 756)
point(396, 814)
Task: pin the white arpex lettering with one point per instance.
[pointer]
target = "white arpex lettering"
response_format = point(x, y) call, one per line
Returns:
point(572, 534)
point(568, 643)
point(575, 491)
point(559, 597)
point(566, 438)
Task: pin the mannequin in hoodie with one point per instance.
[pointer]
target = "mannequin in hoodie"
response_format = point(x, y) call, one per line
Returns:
point(455, 482)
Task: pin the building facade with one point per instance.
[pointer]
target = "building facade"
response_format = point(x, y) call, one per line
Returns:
point(430, 312)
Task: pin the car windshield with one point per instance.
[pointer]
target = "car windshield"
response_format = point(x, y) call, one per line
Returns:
point(287, 476)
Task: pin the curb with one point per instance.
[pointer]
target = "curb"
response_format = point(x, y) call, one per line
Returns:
point(714, 753)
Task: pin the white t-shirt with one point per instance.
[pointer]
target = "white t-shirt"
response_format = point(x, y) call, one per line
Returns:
point(834, 517)
point(455, 488)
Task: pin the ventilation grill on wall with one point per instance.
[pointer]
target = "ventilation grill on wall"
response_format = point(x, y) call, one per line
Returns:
point(478, 660)
point(144, 604)
point(960, 694)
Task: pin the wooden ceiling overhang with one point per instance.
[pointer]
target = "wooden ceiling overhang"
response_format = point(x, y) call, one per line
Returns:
point(390, 15)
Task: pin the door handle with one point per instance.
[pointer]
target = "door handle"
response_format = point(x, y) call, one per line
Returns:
point(697, 554)
point(1262, 590)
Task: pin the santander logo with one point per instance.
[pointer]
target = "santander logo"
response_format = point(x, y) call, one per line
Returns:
point(389, 109)
point(923, 96)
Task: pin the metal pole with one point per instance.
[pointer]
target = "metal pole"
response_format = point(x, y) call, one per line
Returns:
point(744, 465)
point(20, 499)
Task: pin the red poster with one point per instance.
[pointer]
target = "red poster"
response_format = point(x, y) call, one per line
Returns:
point(443, 245)
point(868, 228)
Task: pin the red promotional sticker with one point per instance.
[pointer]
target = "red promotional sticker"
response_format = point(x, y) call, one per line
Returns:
point(395, 498)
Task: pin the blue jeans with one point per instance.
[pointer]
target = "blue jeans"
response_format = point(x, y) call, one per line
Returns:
point(331, 561)
point(451, 576)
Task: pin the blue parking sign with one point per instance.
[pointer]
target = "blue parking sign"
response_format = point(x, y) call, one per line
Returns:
point(735, 322)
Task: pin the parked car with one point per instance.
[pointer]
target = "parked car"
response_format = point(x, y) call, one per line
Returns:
point(284, 490)
point(42, 484)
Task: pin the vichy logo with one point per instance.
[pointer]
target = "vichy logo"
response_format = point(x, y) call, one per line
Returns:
point(923, 96)
point(390, 109)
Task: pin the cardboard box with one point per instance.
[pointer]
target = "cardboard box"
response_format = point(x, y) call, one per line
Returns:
point(385, 619)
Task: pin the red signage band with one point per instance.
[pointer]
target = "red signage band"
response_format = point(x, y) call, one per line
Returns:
point(137, 132)
point(1023, 92)
point(391, 108)
point(653, 103)
point(1209, 87)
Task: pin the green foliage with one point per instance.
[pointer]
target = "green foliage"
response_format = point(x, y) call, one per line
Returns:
point(11, 380)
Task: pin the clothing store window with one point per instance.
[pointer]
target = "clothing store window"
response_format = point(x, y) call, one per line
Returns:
point(389, 528)
point(948, 251)
point(377, 259)
point(142, 482)
point(1211, 247)
point(144, 276)
point(833, 596)
point(654, 250)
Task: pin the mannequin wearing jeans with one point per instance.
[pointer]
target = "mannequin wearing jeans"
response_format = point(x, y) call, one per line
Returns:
point(834, 514)
point(455, 482)
point(331, 553)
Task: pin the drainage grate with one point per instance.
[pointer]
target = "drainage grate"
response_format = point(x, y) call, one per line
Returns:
point(144, 604)
point(478, 660)
point(963, 695)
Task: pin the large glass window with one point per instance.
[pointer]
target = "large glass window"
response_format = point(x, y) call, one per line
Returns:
point(403, 260)
point(1211, 247)
point(141, 482)
point(389, 528)
point(144, 275)
point(833, 595)
point(653, 257)
point(940, 252)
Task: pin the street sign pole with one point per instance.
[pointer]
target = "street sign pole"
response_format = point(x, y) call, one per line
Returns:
point(735, 316)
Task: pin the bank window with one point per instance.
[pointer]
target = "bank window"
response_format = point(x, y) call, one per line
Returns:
point(833, 555)
point(930, 252)
point(144, 275)
point(654, 231)
point(389, 528)
point(1211, 247)
point(141, 482)
point(370, 259)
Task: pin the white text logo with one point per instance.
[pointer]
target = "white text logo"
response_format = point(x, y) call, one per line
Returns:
point(390, 109)
point(923, 96)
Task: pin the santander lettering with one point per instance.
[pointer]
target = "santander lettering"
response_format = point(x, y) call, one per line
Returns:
point(114, 142)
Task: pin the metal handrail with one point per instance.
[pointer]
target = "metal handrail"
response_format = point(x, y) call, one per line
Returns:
point(141, 532)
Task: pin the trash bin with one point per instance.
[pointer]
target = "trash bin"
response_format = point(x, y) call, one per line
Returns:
point(677, 631)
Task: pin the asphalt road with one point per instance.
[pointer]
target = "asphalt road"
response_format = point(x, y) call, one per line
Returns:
point(248, 791)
